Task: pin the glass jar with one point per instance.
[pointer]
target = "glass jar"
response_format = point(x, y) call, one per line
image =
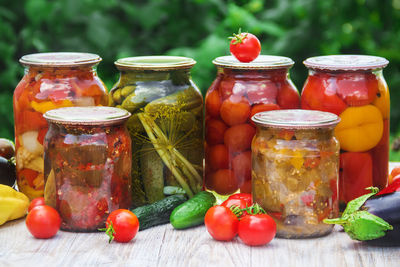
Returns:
point(295, 170)
point(239, 91)
point(51, 80)
point(87, 155)
point(353, 87)
point(166, 125)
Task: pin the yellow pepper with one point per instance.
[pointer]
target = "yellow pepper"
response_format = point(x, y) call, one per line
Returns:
point(42, 107)
point(13, 204)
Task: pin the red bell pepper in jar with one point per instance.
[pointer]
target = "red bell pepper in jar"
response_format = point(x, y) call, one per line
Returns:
point(52, 80)
point(353, 87)
point(240, 91)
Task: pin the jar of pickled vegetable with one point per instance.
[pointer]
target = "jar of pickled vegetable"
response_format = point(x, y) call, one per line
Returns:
point(240, 91)
point(87, 155)
point(295, 170)
point(51, 80)
point(353, 87)
point(166, 125)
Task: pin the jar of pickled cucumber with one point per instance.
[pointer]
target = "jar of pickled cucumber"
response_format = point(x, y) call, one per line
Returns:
point(239, 91)
point(295, 170)
point(166, 125)
point(353, 87)
point(51, 81)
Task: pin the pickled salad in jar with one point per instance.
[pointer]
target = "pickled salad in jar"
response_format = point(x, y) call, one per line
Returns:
point(51, 80)
point(353, 87)
point(87, 154)
point(295, 170)
point(239, 91)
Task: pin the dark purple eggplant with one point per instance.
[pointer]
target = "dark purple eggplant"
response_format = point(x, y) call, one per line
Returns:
point(373, 217)
point(7, 171)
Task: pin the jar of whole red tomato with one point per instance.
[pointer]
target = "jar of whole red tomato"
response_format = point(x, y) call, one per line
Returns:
point(240, 91)
point(51, 80)
point(88, 157)
point(353, 87)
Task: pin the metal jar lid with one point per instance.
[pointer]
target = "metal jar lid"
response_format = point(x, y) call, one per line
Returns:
point(346, 62)
point(87, 116)
point(155, 63)
point(261, 62)
point(60, 59)
point(296, 119)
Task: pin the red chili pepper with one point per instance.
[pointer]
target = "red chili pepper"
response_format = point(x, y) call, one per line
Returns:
point(393, 187)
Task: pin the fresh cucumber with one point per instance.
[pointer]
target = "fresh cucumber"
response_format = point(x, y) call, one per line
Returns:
point(158, 212)
point(192, 212)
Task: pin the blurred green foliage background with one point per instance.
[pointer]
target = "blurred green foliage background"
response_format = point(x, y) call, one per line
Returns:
point(198, 29)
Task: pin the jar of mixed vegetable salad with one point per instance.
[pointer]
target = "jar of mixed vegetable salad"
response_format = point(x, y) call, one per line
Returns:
point(51, 80)
point(166, 125)
point(87, 155)
point(295, 170)
point(239, 91)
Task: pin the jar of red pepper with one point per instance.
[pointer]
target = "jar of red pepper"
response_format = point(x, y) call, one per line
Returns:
point(87, 154)
point(51, 80)
point(353, 87)
point(240, 91)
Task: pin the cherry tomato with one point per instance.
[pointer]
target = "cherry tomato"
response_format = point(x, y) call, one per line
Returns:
point(223, 182)
point(234, 201)
point(245, 47)
point(125, 225)
point(265, 93)
point(357, 89)
point(235, 110)
point(229, 86)
point(43, 222)
point(243, 196)
point(257, 230)
point(288, 97)
point(213, 103)
point(39, 201)
point(238, 138)
point(221, 223)
point(262, 107)
point(241, 165)
point(218, 157)
point(215, 130)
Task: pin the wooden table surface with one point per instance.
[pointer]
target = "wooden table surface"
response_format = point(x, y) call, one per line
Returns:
point(164, 246)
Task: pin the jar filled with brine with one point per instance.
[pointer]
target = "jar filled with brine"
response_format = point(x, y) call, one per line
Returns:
point(295, 170)
point(239, 91)
point(353, 87)
point(87, 155)
point(51, 80)
point(166, 125)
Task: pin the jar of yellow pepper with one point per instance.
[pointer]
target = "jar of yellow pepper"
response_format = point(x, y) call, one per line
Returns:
point(51, 80)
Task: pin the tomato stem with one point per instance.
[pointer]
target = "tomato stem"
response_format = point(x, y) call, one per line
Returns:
point(239, 37)
point(110, 231)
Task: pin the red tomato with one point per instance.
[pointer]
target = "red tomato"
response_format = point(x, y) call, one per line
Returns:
point(213, 103)
point(288, 97)
point(257, 230)
point(265, 93)
point(319, 93)
point(218, 157)
point(235, 110)
point(244, 196)
point(262, 107)
point(355, 175)
point(357, 89)
point(221, 223)
point(124, 223)
point(229, 86)
point(245, 47)
point(215, 130)
point(43, 222)
point(234, 201)
point(241, 165)
point(39, 201)
point(223, 182)
point(238, 138)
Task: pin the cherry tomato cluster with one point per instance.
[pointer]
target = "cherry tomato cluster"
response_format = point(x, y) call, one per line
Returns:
point(231, 101)
point(43, 221)
point(361, 99)
point(237, 216)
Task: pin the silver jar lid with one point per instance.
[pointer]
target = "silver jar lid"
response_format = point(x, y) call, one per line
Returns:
point(261, 62)
point(60, 59)
point(87, 116)
point(346, 62)
point(296, 119)
point(155, 63)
